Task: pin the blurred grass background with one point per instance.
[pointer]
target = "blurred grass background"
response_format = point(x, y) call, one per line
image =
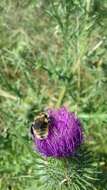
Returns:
point(52, 53)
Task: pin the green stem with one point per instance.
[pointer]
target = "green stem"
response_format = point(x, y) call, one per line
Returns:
point(7, 95)
point(93, 116)
point(61, 96)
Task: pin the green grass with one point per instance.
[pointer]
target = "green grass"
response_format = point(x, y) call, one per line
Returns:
point(52, 53)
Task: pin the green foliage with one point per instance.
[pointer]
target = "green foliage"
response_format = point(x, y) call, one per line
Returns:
point(76, 172)
point(52, 53)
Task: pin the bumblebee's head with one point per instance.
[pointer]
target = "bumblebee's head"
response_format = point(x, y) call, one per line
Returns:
point(40, 126)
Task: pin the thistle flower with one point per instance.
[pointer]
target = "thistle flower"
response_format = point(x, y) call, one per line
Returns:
point(64, 136)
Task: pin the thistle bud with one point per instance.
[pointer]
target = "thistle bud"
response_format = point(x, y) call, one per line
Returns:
point(65, 134)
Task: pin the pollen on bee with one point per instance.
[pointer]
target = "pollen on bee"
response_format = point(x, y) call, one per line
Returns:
point(46, 120)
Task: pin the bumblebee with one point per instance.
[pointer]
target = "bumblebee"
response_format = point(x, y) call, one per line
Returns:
point(40, 126)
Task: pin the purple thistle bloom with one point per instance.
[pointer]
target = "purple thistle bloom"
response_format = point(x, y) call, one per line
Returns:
point(64, 137)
